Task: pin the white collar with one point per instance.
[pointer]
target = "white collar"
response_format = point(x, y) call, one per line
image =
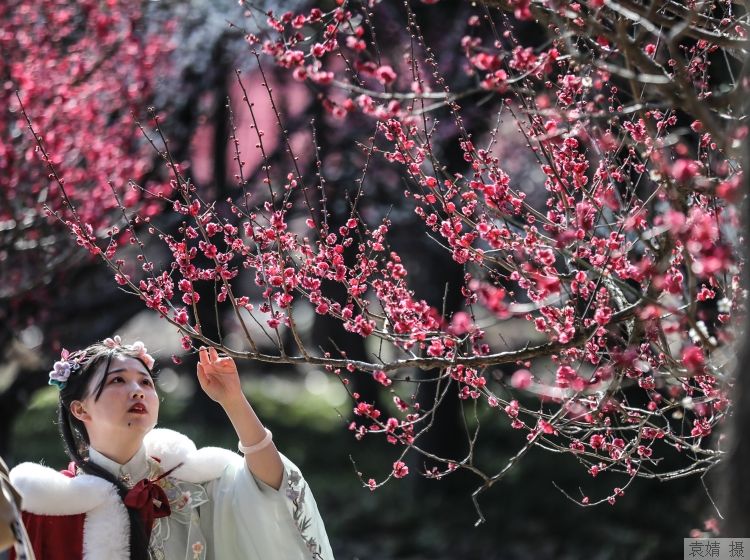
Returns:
point(131, 472)
point(48, 492)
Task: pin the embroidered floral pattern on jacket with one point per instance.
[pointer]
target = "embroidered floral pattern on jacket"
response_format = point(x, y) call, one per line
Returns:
point(184, 499)
point(295, 491)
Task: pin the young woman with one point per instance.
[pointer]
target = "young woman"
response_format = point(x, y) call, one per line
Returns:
point(135, 492)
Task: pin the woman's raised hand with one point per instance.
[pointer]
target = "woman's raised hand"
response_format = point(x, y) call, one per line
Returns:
point(220, 381)
point(218, 376)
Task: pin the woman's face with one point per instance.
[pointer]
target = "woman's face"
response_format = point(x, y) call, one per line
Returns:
point(128, 401)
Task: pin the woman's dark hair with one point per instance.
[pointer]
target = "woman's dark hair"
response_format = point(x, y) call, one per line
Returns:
point(73, 431)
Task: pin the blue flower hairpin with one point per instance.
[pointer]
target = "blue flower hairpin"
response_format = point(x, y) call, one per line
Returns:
point(62, 370)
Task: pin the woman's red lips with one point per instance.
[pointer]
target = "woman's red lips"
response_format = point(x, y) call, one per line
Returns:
point(138, 408)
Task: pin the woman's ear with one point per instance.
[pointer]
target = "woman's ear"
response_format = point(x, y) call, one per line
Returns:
point(77, 409)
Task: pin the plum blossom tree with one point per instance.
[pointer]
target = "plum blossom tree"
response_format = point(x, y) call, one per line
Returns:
point(613, 231)
point(46, 50)
point(81, 69)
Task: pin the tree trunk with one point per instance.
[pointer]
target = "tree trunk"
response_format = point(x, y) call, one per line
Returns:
point(736, 477)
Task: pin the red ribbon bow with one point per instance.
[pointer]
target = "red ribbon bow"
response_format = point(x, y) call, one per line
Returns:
point(150, 500)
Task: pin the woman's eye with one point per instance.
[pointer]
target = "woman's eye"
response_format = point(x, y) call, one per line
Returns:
point(117, 379)
point(147, 382)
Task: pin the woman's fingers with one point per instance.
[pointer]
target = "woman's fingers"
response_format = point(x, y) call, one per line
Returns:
point(203, 355)
point(202, 374)
point(210, 363)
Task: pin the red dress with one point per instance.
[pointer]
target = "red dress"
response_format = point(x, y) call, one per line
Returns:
point(68, 517)
point(55, 537)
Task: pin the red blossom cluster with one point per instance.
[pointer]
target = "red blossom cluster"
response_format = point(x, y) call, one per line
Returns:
point(81, 70)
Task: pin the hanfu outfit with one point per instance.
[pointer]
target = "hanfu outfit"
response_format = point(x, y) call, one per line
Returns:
point(217, 509)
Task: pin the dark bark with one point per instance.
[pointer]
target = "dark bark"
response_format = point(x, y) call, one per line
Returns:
point(736, 471)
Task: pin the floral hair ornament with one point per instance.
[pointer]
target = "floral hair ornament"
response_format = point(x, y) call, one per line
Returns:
point(138, 347)
point(143, 354)
point(62, 369)
point(112, 342)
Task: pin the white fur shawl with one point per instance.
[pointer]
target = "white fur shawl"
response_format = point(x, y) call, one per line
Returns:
point(45, 491)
